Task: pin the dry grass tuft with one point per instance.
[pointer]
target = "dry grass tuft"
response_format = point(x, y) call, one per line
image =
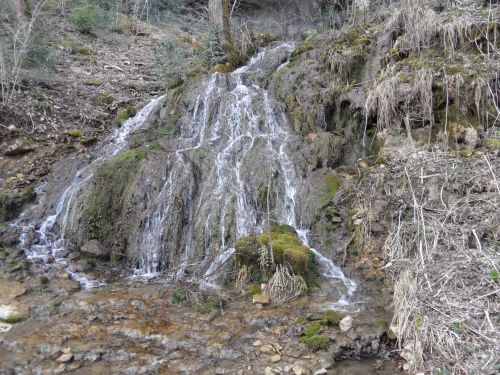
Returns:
point(444, 252)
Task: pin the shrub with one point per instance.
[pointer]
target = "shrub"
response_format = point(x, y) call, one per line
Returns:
point(177, 297)
point(90, 18)
point(312, 329)
point(44, 281)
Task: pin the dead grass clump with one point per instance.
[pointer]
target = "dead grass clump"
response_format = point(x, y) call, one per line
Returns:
point(444, 252)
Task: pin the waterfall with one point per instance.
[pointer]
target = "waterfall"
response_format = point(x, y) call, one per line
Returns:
point(233, 140)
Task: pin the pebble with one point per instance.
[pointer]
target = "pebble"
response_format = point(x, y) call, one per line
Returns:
point(268, 371)
point(298, 369)
point(66, 357)
point(275, 358)
point(321, 371)
point(257, 343)
point(267, 349)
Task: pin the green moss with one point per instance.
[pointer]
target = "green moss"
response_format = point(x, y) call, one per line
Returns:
point(43, 281)
point(125, 113)
point(332, 185)
point(492, 143)
point(106, 98)
point(177, 297)
point(362, 41)
point(88, 141)
point(255, 289)
point(333, 318)
point(302, 320)
point(56, 301)
point(312, 329)
point(113, 182)
point(75, 133)
point(206, 307)
point(317, 342)
point(13, 319)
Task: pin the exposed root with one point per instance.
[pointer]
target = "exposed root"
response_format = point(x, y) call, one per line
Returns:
point(284, 285)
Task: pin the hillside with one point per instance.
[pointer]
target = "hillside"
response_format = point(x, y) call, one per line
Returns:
point(313, 185)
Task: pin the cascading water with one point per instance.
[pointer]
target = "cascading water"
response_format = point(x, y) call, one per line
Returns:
point(52, 244)
point(233, 144)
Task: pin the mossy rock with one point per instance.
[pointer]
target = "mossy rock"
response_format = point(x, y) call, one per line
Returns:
point(125, 113)
point(287, 251)
point(113, 185)
point(333, 318)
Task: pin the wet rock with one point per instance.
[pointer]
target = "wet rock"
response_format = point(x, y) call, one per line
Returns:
point(346, 324)
point(261, 299)
point(93, 249)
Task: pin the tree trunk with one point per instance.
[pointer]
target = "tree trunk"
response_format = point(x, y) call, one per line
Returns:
point(219, 14)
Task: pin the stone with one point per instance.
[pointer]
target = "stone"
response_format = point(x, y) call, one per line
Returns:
point(321, 371)
point(66, 357)
point(93, 249)
point(275, 358)
point(298, 369)
point(268, 371)
point(378, 228)
point(14, 312)
point(261, 299)
point(10, 290)
point(346, 324)
point(19, 148)
point(266, 349)
point(257, 343)
point(4, 327)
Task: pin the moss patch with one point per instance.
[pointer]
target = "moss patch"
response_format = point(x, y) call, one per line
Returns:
point(332, 186)
point(75, 133)
point(317, 342)
point(333, 318)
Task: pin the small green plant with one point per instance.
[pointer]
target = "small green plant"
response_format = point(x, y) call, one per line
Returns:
point(495, 275)
point(43, 281)
point(56, 301)
point(255, 289)
point(208, 306)
point(177, 297)
point(90, 18)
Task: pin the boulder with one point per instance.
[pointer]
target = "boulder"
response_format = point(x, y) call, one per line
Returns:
point(20, 147)
point(10, 290)
point(14, 312)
